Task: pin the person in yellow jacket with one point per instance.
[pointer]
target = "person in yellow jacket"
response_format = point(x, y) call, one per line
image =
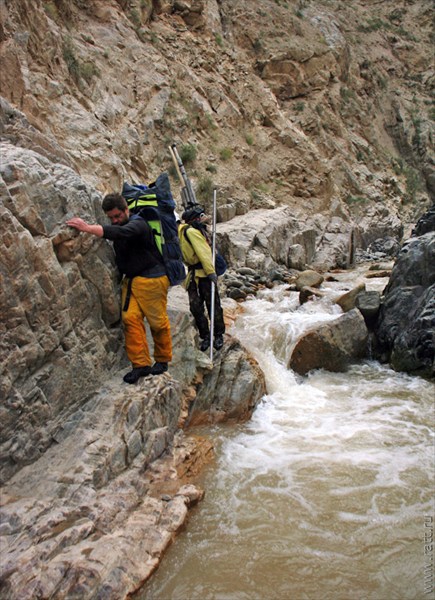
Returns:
point(197, 255)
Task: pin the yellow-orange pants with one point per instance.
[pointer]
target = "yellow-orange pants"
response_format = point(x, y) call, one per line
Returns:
point(148, 300)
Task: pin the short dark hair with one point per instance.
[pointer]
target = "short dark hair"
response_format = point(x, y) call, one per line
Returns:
point(112, 201)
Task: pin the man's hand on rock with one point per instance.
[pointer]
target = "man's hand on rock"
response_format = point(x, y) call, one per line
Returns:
point(81, 225)
point(78, 223)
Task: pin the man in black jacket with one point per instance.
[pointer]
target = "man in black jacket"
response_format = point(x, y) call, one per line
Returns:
point(144, 287)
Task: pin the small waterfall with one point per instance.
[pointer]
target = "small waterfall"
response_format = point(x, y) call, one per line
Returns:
point(326, 493)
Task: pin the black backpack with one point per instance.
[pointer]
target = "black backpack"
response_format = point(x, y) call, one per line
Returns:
point(155, 204)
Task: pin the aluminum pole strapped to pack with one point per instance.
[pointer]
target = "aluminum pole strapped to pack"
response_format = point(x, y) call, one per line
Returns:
point(188, 197)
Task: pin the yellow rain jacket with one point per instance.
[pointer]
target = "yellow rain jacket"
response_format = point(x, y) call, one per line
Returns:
point(198, 251)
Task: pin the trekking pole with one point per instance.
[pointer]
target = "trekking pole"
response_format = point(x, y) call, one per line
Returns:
point(188, 197)
point(213, 253)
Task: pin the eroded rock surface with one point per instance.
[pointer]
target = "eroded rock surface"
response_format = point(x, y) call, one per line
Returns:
point(87, 519)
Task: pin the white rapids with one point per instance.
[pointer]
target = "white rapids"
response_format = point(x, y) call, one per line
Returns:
point(327, 493)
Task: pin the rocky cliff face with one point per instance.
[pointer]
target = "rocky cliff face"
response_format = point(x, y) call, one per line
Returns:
point(324, 106)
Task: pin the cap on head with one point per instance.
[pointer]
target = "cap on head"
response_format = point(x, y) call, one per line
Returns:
point(193, 213)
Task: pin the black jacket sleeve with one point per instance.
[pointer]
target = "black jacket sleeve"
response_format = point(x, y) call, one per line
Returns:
point(133, 228)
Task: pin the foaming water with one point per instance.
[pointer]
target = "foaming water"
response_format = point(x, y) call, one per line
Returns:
point(325, 494)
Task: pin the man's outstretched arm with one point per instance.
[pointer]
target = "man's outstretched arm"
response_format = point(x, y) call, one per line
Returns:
point(81, 225)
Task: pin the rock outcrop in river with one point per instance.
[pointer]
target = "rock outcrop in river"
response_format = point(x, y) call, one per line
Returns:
point(405, 330)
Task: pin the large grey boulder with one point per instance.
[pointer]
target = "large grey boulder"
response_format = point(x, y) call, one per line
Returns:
point(405, 330)
point(230, 391)
point(332, 346)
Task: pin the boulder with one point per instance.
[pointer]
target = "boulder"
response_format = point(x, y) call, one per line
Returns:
point(307, 293)
point(309, 278)
point(297, 257)
point(405, 329)
point(334, 245)
point(387, 246)
point(332, 346)
point(369, 303)
point(230, 391)
point(347, 301)
point(260, 238)
point(381, 227)
point(225, 212)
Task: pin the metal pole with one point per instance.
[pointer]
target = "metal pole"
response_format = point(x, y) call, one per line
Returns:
point(177, 168)
point(187, 193)
point(213, 290)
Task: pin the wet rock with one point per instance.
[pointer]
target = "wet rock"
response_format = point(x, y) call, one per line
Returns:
point(373, 274)
point(231, 282)
point(247, 271)
point(347, 301)
point(276, 275)
point(249, 290)
point(405, 330)
point(308, 278)
point(237, 294)
point(307, 293)
point(231, 390)
point(332, 346)
point(369, 303)
point(425, 224)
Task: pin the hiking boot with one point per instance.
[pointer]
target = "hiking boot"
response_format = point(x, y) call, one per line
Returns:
point(218, 342)
point(205, 344)
point(136, 373)
point(158, 368)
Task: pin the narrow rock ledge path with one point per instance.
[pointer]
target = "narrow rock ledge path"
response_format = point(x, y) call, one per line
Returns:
point(94, 515)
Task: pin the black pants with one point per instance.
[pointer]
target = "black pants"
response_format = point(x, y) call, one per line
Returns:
point(198, 296)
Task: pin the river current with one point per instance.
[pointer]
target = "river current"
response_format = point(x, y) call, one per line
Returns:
point(326, 493)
